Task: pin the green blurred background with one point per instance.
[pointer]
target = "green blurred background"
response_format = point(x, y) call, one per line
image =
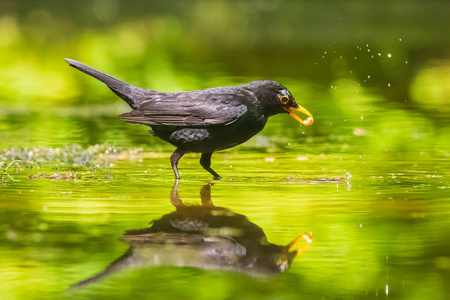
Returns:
point(382, 66)
point(370, 178)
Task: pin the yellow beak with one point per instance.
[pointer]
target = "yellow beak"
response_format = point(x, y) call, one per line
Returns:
point(307, 122)
point(307, 236)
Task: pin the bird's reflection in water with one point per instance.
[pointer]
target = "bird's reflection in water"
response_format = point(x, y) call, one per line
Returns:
point(203, 236)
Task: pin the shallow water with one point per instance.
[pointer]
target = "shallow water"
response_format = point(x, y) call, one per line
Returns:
point(373, 193)
point(380, 228)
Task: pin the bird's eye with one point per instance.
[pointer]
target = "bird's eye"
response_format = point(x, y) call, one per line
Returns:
point(284, 99)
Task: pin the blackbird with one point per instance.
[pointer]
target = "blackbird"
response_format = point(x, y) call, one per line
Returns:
point(203, 236)
point(203, 121)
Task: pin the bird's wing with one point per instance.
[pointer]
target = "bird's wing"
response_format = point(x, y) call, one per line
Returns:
point(162, 238)
point(196, 108)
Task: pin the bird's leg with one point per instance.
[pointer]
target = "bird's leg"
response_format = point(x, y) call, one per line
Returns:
point(205, 195)
point(205, 161)
point(174, 159)
point(175, 196)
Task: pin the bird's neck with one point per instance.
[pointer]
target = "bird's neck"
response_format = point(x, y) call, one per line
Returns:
point(264, 98)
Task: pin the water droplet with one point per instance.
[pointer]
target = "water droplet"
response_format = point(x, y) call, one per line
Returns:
point(368, 76)
point(356, 57)
point(400, 39)
point(379, 54)
point(362, 117)
point(406, 62)
point(389, 85)
point(389, 55)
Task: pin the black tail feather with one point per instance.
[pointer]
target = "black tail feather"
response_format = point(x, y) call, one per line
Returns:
point(114, 267)
point(122, 89)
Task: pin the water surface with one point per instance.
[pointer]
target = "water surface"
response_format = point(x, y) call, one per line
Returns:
point(380, 228)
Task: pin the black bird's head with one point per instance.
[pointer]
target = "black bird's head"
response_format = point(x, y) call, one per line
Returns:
point(276, 99)
point(275, 258)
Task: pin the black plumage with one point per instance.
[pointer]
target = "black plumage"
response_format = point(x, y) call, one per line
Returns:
point(203, 236)
point(202, 121)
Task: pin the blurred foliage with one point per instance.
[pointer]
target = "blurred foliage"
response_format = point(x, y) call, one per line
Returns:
point(356, 66)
